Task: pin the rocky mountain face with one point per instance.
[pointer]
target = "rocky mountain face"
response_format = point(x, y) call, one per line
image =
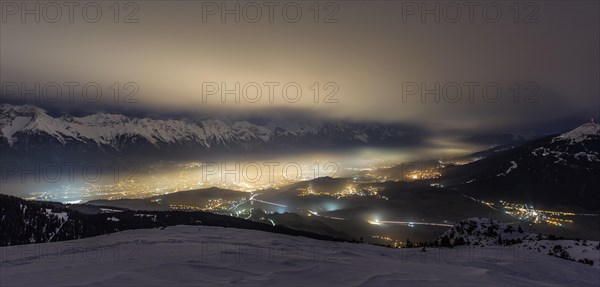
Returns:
point(31, 131)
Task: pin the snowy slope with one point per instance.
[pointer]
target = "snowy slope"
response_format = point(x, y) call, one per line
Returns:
point(586, 131)
point(215, 256)
point(487, 232)
point(580, 143)
point(554, 171)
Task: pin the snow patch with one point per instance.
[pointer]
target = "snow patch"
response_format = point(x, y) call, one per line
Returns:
point(112, 219)
point(513, 165)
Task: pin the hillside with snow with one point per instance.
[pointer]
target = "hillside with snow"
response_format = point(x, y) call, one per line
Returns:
point(581, 143)
point(559, 171)
point(50, 244)
point(586, 131)
point(28, 222)
point(485, 232)
point(215, 256)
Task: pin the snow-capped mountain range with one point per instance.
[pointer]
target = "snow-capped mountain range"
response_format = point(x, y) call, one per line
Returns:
point(26, 128)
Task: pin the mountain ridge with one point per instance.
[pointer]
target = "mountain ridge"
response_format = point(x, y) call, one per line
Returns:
point(557, 170)
point(25, 127)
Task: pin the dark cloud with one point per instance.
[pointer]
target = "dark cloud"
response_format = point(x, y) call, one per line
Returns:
point(368, 54)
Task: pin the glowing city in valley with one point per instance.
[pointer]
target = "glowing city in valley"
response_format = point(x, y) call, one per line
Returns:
point(527, 213)
point(349, 191)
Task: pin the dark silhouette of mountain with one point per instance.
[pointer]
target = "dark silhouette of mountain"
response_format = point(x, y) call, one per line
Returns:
point(559, 170)
point(26, 222)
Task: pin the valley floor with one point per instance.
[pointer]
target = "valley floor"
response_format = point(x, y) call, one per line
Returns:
point(212, 256)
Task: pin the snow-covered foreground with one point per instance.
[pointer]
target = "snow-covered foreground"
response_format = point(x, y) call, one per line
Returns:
point(200, 255)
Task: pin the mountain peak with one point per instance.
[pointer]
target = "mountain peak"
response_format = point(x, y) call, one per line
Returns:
point(28, 110)
point(583, 132)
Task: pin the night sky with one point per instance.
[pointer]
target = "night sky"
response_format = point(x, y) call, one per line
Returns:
point(368, 58)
